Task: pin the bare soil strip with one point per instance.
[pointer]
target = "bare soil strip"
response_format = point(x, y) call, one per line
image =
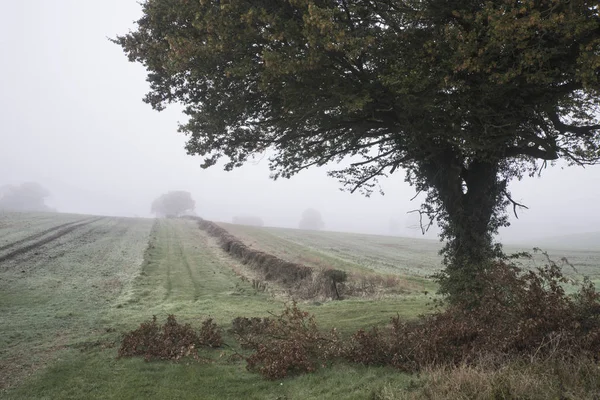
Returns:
point(63, 230)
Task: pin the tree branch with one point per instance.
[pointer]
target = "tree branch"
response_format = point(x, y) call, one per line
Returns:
point(368, 178)
point(370, 160)
point(424, 229)
point(532, 152)
point(579, 131)
point(514, 203)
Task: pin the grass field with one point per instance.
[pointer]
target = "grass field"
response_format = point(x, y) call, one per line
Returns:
point(70, 286)
point(349, 251)
point(406, 257)
point(56, 277)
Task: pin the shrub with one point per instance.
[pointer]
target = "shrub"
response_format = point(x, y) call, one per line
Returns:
point(516, 315)
point(210, 334)
point(245, 326)
point(270, 267)
point(287, 344)
point(324, 284)
point(369, 348)
point(170, 341)
point(519, 316)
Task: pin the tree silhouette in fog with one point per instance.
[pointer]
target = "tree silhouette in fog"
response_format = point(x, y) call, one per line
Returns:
point(173, 204)
point(311, 220)
point(29, 196)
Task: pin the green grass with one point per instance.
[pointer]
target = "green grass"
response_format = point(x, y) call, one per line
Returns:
point(65, 306)
point(184, 274)
point(407, 257)
point(350, 315)
point(54, 295)
point(97, 374)
point(63, 343)
point(412, 260)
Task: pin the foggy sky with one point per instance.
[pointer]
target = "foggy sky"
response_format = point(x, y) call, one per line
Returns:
point(72, 119)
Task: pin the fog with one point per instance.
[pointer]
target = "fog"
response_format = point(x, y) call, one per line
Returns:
point(72, 119)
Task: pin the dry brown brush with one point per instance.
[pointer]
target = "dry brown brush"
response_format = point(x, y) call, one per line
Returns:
point(170, 341)
point(518, 317)
point(538, 379)
point(286, 344)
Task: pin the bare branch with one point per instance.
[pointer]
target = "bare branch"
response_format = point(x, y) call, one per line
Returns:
point(415, 196)
point(424, 229)
point(514, 203)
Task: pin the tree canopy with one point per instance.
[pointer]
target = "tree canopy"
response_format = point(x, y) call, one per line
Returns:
point(463, 96)
point(173, 204)
point(311, 219)
point(28, 196)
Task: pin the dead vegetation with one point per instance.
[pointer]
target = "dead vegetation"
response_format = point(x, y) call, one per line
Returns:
point(170, 341)
point(557, 377)
point(521, 320)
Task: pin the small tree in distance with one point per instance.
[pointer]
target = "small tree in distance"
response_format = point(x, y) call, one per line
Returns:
point(28, 196)
point(311, 220)
point(173, 204)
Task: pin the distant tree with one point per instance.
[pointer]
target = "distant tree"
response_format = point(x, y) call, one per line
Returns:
point(173, 204)
point(29, 196)
point(248, 220)
point(311, 220)
point(464, 96)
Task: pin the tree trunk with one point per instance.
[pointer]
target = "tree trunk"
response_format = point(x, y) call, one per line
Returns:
point(471, 197)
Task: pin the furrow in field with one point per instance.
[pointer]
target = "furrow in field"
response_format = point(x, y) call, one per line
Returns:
point(62, 246)
point(43, 233)
point(58, 295)
point(185, 270)
point(62, 232)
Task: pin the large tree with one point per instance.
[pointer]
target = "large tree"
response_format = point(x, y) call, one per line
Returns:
point(173, 204)
point(463, 95)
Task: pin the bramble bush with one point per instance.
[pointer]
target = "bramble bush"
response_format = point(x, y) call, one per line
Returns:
point(170, 341)
point(286, 344)
point(518, 315)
